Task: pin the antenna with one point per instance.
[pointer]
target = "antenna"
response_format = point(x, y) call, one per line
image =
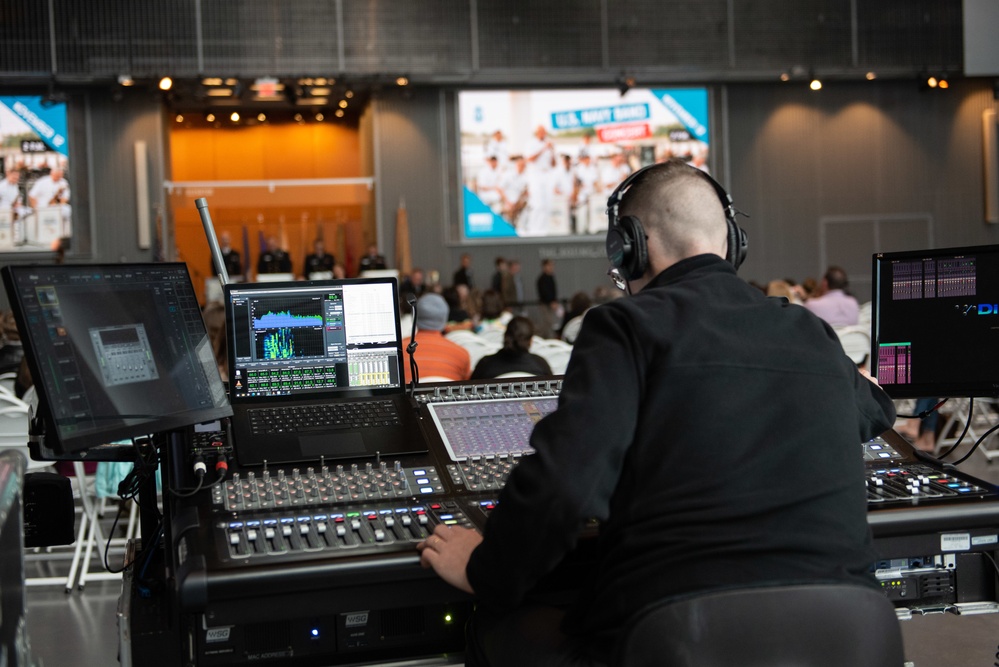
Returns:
point(213, 242)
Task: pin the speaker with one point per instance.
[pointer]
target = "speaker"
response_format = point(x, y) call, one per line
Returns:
point(626, 245)
point(48, 510)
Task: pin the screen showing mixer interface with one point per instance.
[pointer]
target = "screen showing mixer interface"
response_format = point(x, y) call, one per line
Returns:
point(489, 428)
point(117, 351)
point(935, 322)
point(313, 339)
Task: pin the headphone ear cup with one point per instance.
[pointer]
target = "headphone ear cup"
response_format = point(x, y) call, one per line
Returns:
point(637, 260)
point(738, 243)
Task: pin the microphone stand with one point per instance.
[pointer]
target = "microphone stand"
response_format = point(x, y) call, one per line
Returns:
point(414, 371)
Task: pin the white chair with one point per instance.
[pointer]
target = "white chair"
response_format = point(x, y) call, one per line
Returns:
point(555, 352)
point(856, 342)
point(476, 346)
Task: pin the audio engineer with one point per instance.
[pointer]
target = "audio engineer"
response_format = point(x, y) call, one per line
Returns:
point(711, 431)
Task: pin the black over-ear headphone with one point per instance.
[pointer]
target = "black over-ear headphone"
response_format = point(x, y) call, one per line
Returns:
point(626, 241)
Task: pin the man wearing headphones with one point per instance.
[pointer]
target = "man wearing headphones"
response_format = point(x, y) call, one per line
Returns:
point(689, 426)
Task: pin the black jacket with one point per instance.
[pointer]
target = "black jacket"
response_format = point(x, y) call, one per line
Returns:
point(714, 432)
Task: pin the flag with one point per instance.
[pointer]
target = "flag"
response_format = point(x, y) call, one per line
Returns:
point(403, 253)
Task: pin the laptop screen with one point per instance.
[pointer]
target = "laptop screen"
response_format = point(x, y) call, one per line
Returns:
point(314, 339)
point(116, 351)
point(934, 322)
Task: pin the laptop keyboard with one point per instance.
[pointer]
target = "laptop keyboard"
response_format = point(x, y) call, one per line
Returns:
point(323, 417)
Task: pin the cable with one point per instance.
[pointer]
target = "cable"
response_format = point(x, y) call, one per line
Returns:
point(977, 443)
point(925, 413)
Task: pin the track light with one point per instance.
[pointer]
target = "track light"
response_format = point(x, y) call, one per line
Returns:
point(166, 83)
point(815, 84)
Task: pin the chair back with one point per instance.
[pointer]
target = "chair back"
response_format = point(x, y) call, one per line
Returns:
point(813, 625)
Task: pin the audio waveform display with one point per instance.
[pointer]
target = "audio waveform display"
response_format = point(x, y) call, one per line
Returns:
point(286, 320)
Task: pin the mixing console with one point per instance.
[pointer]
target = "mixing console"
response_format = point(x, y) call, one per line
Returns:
point(325, 486)
point(340, 532)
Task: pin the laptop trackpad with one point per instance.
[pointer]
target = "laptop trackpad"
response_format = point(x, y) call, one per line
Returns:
point(341, 445)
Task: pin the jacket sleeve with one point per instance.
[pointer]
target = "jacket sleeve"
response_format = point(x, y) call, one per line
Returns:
point(580, 449)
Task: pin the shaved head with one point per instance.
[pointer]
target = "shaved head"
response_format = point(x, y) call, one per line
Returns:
point(679, 209)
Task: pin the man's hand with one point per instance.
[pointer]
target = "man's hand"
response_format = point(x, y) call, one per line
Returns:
point(447, 551)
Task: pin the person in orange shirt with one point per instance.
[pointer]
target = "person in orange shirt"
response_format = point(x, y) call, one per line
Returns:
point(436, 356)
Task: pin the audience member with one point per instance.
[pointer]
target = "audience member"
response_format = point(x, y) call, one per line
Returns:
point(230, 256)
point(273, 259)
point(548, 296)
point(371, 261)
point(457, 316)
point(832, 303)
point(515, 356)
point(501, 269)
point(318, 261)
point(781, 288)
point(436, 356)
point(513, 287)
point(493, 315)
point(413, 284)
point(463, 276)
point(578, 305)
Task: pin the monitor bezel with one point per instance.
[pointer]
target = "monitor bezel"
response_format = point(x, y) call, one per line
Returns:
point(940, 389)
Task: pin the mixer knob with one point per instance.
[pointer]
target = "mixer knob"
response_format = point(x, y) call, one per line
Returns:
point(251, 477)
point(368, 468)
point(281, 474)
point(310, 471)
point(294, 473)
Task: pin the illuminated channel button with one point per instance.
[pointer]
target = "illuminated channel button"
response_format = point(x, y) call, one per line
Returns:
point(422, 480)
point(235, 524)
point(420, 473)
point(445, 517)
point(426, 489)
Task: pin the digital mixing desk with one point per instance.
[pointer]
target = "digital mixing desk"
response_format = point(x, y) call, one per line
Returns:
point(316, 563)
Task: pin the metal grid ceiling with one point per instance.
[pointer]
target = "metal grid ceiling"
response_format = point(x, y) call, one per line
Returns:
point(407, 37)
point(110, 37)
point(24, 37)
point(911, 33)
point(778, 34)
point(527, 34)
point(679, 35)
point(269, 37)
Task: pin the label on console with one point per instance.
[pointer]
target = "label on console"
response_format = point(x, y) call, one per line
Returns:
point(955, 542)
point(985, 539)
point(357, 619)
point(217, 635)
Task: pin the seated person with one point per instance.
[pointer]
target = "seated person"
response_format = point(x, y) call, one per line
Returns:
point(457, 316)
point(493, 314)
point(436, 356)
point(515, 355)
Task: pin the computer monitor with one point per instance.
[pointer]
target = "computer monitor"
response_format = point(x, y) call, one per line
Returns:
point(116, 351)
point(935, 322)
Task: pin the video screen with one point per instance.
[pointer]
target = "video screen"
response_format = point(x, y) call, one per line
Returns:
point(541, 163)
point(116, 351)
point(935, 322)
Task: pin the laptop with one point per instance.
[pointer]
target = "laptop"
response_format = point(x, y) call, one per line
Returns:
point(316, 371)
